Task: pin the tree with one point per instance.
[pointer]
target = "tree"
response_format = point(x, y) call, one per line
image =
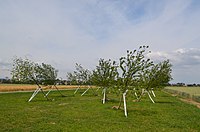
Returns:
point(105, 75)
point(71, 77)
point(46, 74)
point(24, 70)
point(155, 77)
point(83, 75)
point(80, 76)
point(131, 66)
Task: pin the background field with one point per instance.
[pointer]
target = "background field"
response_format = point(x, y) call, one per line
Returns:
point(27, 87)
point(86, 113)
point(186, 92)
point(190, 90)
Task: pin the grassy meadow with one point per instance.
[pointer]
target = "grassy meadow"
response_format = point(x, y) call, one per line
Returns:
point(87, 113)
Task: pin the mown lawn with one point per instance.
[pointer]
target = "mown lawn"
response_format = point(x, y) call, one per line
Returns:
point(86, 113)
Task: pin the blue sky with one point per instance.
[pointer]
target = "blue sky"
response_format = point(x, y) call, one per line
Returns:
point(65, 32)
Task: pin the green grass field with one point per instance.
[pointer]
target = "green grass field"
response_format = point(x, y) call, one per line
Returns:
point(87, 113)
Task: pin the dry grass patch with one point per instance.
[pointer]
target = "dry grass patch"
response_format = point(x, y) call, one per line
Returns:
point(27, 87)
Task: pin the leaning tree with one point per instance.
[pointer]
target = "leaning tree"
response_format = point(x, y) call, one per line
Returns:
point(47, 75)
point(131, 66)
point(84, 77)
point(24, 70)
point(105, 75)
point(80, 76)
point(71, 78)
point(155, 77)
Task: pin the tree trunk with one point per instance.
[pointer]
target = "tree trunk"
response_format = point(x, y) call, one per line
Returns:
point(140, 97)
point(59, 91)
point(120, 102)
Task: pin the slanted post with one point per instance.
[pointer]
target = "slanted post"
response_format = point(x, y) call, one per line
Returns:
point(49, 91)
point(124, 99)
point(153, 92)
point(77, 89)
point(34, 94)
point(150, 97)
point(85, 91)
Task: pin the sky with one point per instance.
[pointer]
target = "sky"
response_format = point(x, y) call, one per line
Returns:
point(65, 32)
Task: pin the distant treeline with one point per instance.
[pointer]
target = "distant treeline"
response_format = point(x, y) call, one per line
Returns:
point(185, 85)
point(67, 82)
point(10, 81)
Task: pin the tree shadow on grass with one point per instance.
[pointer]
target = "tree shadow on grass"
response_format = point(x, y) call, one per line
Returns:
point(112, 101)
point(164, 102)
point(142, 112)
point(50, 98)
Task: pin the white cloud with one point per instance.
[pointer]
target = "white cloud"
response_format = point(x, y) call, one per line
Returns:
point(179, 57)
point(186, 63)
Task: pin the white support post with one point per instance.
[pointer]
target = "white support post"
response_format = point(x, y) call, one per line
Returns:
point(136, 95)
point(153, 93)
point(34, 94)
point(104, 95)
point(85, 91)
point(124, 99)
point(48, 92)
point(98, 89)
point(150, 97)
point(77, 90)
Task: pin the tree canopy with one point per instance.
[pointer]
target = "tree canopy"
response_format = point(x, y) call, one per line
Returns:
point(80, 75)
point(105, 73)
point(26, 71)
point(131, 66)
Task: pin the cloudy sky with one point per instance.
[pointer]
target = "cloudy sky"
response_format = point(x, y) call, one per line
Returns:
point(65, 32)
